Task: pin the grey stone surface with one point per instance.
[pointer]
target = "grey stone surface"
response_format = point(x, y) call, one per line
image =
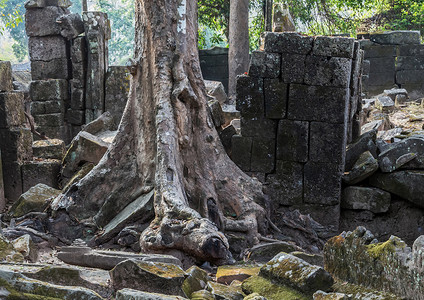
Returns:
point(214, 64)
point(293, 140)
point(375, 50)
point(71, 25)
point(409, 63)
point(384, 103)
point(241, 151)
point(79, 50)
point(366, 142)
point(35, 3)
point(117, 89)
point(15, 144)
point(215, 89)
point(263, 155)
point(286, 185)
point(382, 65)
point(258, 127)
point(77, 96)
point(53, 89)
point(366, 198)
point(250, 96)
point(392, 93)
point(46, 48)
point(397, 37)
point(47, 107)
point(327, 143)
point(365, 166)
point(2, 196)
point(265, 64)
point(5, 76)
point(316, 103)
point(75, 117)
point(276, 94)
point(322, 183)
point(333, 46)
point(265, 252)
point(51, 148)
point(293, 67)
point(288, 42)
point(130, 294)
point(59, 3)
point(78, 70)
point(11, 109)
point(411, 50)
point(42, 21)
point(55, 68)
point(409, 76)
point(49, 120)
point(35, 172)
point(12, 178)
point(324, 71)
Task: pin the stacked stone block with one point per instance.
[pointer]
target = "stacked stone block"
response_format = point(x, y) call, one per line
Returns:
point(15, 139)
point(97, 31)
point(393, 59)
point(50, 66)
point(295, 107)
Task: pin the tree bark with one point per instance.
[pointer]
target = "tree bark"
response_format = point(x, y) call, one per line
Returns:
point(166, 141)
point(238, 56)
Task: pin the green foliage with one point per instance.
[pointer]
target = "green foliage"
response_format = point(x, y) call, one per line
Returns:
point(403, 15)
point(11, 17)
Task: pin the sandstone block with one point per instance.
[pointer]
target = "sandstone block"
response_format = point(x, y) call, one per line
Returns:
point(263, 155)
point(411, 50)
point(51, 148)
point(288, 42)
point(213, 88)
point(42, 21)
point(360, 198)
point(79, 50)
point(11, 109)
point(59, 3)
point(118, 86)
point(322, 71)
point(400, 37)
point(409, 63)
point(315, 103)
point(5, 76)
point(364, 167)
point(75, 117)
point(322, 183)
point(35, 172)
point(16, 144)
point(56, 68)
point(49, 120)
point(12, 179)
point(241, 151)
point(265, 64)
point(35, 4)
point(292, 140)
point(79, 70)
point(47, 107)
point(258, 127)
point(409, 76)
point(2, 197)
point(276, 94)
point(327, 143)
point(46, 48)
point(382, 64)
point(293, 67)
point(333, 46)
point(375, 50)
point(250, 96)
point(53, 89)
point(54, 132)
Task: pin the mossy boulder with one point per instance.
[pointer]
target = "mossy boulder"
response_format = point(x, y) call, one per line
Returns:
point(8, 252)
point(202, 295)
point(254, 296)
point(270, 290)
point(297, 273)
point(149, 277)
point(227, 274)
point(196, 280)
point(36, 199)
point(26, 247)
point(224, 292)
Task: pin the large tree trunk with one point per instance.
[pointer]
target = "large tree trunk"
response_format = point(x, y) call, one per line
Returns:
point(238, 56)
point(167, 142)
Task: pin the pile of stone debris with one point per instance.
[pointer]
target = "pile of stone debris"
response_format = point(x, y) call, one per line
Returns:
point(351, 268)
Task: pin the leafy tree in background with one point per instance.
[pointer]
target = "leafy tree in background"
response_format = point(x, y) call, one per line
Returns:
point(12, 12)
point(401, 15)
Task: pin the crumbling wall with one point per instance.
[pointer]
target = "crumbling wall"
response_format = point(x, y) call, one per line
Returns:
point(214, 64)
point(393, 59)
point(298, 105)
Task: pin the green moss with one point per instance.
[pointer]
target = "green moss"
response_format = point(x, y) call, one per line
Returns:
point(266, 288)
point(353, 289)
point(6, 248)
point(380, 250)
point(16, 295)
point(58, 275)
point(86, 168)
point(162, 270)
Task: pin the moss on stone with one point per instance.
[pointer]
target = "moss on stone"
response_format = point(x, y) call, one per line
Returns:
point(271, 291)
point(358, 291)
point(6, 248)
point(16, 295)
point(379, 250)
point(86, 168)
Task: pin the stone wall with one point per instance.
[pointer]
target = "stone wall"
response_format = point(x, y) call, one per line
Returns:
point(393, 59)
point(298, 105)
point(214, 65)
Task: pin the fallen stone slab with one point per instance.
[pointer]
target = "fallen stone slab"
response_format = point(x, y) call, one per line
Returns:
point(227, 274)
point(313, 259)
point(366, 142)
point(385, 104)
point(297, 273)
point(222, 291)
point(366, 198)
point(265, 252)
point(130, 294)
point(26, 247)
point(107, 260)
point(406, 184)
point(5, 76)
point(388, 135)
point(196, 280)
point(365, 166)
point(36, 199)
point(40, 171)
point(216, 89)
point(401, 153)
point(153, 277)
point(398, 37)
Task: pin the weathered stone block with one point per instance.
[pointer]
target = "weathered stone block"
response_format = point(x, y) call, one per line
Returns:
point(258, 127)
point(77, 98)
point(35, 172)
point(79, 50)
point(380, 80)
point(46, 48)
point(79, 70)
point(95, 21)
point(400, 37)
point(54, 132)
point(226, 135)
point(411, 50)
point(263, 155)
point(16, 144)
point(409, 76)
point(12, 178)
point(265, 64)
point(382, 65)
point(250, 96)
point(366, 66)
point(52, 148)
point(364, 167)
point(53, 89)
point(276, 94)
point(47, 107)
point(2, 197)
point(409, 63)
point(35, 4)
point(333, 46)
point(376, 50)
point(5, 76)
point(384, 103)
point(56, 68)
point(42, 21)
point(117, 89)
point(71, 25)
point(49, 120)
point(316, 103)
point(288, 42)
point(293, 67)
point(372, 199)
point(292, 140)
point(327, 143)
point(11, 109)
point(241, 151)
point(77, 84)
point(75, 117)
point(322, 183)
point(59, 3)
point(324, 71)
point(286, 185)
